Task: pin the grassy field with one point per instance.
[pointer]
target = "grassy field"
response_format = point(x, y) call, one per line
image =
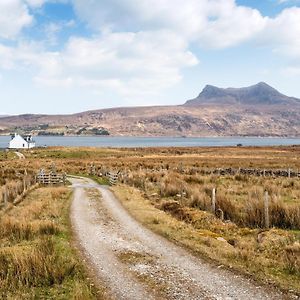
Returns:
point(76, 159)
point(37, 259)
point(169, 190)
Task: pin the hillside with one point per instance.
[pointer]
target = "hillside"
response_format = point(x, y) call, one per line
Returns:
point(259, 110)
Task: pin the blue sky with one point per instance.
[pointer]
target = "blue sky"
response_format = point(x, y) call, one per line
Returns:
point(65, 56)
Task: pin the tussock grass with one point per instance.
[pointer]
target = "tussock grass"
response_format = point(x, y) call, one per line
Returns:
point(37, 267)
point(240, 201)
point(293, 258)
point(37, 260)
point(269, 256)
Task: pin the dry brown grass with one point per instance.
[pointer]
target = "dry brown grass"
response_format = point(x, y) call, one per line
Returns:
point(175, 180)
point(293, 258)
point(77, 160)
point(240, 200)
point(17, 230)
point(13, 184)
point(269, 256)
point(37, 267)
point(36, 257)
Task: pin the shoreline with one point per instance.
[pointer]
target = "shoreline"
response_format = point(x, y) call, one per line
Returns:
point(169, 136)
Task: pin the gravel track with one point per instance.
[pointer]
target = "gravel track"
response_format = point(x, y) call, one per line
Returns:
point(20, 155)
point(135, 263)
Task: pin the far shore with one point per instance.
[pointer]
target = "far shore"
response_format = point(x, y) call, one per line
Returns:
point(166, 136)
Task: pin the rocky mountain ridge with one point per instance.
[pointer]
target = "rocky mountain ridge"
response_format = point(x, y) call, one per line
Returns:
point(259, 94)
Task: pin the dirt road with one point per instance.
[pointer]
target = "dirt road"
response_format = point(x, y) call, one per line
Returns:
point(20, 155)
point(137, 264)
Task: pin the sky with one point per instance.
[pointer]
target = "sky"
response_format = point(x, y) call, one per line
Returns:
point(67, 56)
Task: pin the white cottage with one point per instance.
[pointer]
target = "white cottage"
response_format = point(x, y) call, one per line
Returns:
point(21, 142)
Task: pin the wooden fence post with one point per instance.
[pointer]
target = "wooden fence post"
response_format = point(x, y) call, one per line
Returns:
point(289, 173)
point(24, 184)
point(53, 167)
point(5, 197)
point(213, 201)
point(266, 210)
point(220, 214)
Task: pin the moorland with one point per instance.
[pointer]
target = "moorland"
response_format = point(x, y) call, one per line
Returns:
point(169, 190)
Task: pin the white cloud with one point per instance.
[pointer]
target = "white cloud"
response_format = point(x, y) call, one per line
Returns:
point(35, 3)
point(282, 33)
point(14, 16)
point(207, 23)
point(22, 56)
point(211, 23)
point(127, 62)
point(52, 30)
point(229, 25)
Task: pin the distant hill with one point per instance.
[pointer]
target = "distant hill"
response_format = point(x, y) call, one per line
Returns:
point(259, 94)
point(258, 110)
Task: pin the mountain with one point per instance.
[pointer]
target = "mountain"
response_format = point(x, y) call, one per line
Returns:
point(259, 94)
point(258, 110)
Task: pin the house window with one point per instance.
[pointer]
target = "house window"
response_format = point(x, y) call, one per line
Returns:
point(23, 145)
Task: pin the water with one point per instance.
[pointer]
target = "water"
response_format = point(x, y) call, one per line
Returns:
point(133, 142)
